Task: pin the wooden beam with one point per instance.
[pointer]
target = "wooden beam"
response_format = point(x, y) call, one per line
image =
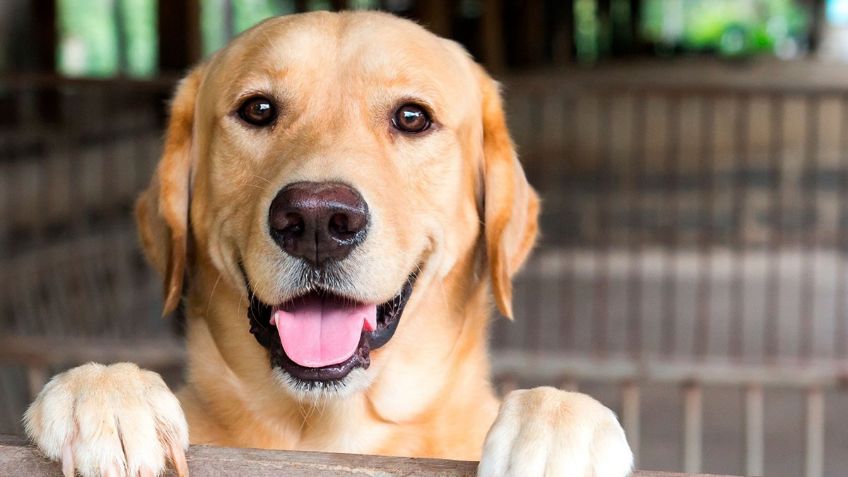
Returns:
point(491, 31)
point(43, 25)
point(817, 19)
point(19, 458)
point(637, 46)
point(533, 32)
point(563, 34)
point(436, 15)
point(179, 35)
point(35, 351)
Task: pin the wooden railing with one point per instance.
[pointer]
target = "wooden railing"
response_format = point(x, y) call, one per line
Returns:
point(19, 458)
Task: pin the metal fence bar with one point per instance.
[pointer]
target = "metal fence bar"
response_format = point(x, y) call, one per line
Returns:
point(692, 427)
point(754, 431)
point(814, 442)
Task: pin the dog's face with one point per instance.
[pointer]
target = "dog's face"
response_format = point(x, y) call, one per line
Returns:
point(329, 166)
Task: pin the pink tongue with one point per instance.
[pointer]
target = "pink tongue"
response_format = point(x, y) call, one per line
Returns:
point(320, 331)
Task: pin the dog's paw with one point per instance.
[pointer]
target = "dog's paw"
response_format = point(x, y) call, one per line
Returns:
point(548, 432)
point(116, 420)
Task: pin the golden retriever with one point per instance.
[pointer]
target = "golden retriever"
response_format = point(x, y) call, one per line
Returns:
point(337, 203)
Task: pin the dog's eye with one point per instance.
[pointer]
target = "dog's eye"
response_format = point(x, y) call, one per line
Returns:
point(258, 111)
point(411, 118)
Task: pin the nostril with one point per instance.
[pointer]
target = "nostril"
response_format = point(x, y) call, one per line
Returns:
point(293, 224)
point(287, 228)
point(340, 226)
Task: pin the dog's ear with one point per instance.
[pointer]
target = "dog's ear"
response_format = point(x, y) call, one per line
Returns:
point(511, 206)
point(161, 211)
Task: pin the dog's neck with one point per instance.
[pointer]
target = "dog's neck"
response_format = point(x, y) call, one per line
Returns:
point(434, 367)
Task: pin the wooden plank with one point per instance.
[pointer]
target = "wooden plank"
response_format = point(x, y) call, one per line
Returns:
point(754, 431)
point(19, 458)
point(815, 426)
point(548, 366)
point(34, 351)
point(631, 414)
point(538, 366)
point(692, 428)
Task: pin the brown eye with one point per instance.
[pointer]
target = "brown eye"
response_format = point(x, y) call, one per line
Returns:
point(258, 111)
point(411, 118)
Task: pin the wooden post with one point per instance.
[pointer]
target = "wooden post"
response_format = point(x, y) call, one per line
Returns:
point(119, 14)
point(436, 15)
point(606, 44)
point(533, 20)
point(637, 46)
point(491, 31)
point(563, 47)
point(179, 35)
point(817, 19)
point(43, 25)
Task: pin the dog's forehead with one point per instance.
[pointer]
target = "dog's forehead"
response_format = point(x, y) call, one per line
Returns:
point(350, 49)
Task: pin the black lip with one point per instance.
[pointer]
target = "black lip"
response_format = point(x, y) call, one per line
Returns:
point(388, 317)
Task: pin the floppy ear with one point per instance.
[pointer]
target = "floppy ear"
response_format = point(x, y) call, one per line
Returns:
point(161, 211)
point(511, 206)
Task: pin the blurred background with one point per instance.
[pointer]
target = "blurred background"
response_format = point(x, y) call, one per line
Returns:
point(692, 156)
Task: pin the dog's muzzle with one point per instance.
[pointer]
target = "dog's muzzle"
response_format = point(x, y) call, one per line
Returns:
point(321, 336)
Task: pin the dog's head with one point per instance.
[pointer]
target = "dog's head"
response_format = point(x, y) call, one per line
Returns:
point(327, 166)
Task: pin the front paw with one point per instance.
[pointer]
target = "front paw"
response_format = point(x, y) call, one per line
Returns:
point(116, 420)
point(548, 432)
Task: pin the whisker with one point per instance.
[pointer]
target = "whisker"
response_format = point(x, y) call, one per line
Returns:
point(211, 294)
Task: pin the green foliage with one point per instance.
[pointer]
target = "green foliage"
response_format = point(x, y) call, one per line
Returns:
point(142, 41)
point(89, 41)
point(247, 13)
point(587, 30)
point(730, 27)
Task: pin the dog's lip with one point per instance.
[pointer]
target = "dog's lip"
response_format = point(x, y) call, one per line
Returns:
point(388, 316)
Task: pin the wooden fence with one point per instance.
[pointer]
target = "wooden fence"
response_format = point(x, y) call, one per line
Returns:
point(695, 238)
point(19, 458)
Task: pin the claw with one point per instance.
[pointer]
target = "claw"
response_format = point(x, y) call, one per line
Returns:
point(68, 460)
point(179, 459)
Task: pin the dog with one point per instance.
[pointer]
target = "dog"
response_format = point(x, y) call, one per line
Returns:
point(337, 205)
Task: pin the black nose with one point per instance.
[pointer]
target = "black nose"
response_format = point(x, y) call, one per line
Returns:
point(318, 221)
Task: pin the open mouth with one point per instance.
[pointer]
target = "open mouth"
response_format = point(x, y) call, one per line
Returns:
point(323, 336)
